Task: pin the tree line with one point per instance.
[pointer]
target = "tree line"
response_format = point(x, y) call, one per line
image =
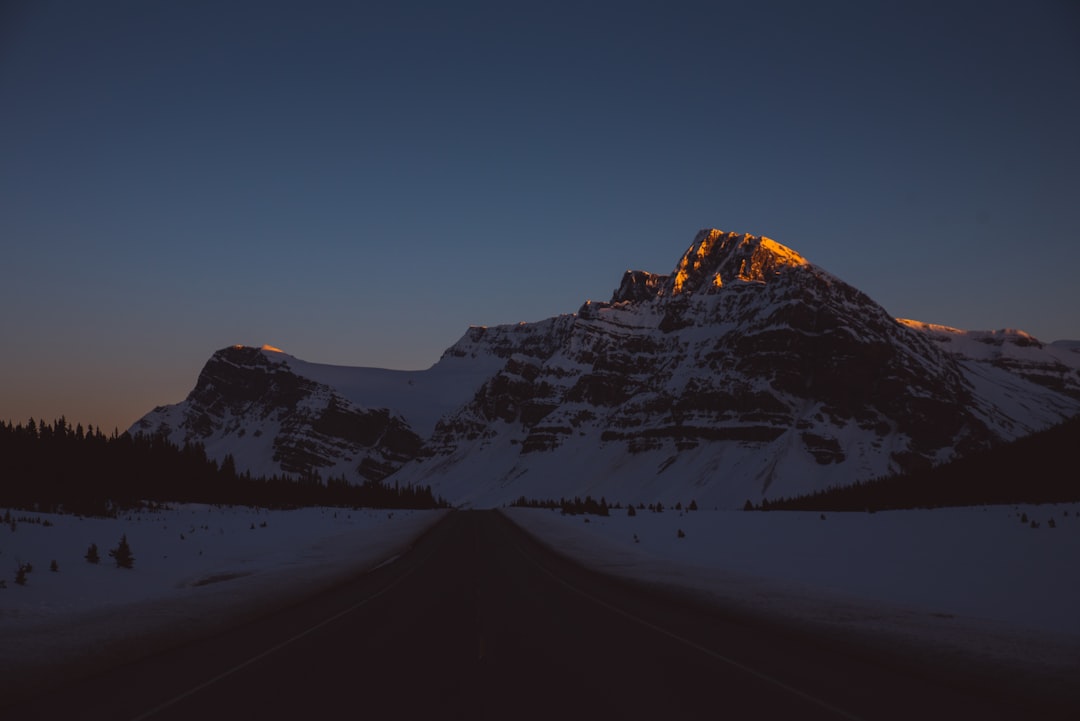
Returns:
point(1039, 468)
point(58, 467)
point(567, 506)
point(590, 506)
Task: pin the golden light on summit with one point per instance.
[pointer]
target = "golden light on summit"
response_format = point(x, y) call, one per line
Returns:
point(761, 257)
point(270, 348)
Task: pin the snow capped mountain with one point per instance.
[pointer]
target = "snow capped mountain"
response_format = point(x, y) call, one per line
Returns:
point(747, 372)
point(278, 414)
point(1012, 371)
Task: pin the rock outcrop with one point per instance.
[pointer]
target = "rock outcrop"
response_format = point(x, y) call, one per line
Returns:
point(746, 372)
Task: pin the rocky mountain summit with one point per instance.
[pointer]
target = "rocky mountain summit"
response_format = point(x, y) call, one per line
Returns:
point(246, 404)
point(747, 372)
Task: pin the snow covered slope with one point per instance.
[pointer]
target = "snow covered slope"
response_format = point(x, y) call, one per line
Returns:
point(278, 414)
point(747, 372)
point(1011, 371)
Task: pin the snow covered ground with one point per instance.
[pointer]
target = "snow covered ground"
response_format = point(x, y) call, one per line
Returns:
point(965, 579)
point(196, 568)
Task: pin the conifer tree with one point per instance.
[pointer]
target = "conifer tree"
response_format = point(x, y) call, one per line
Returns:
point(92, 554)
point(122, 554)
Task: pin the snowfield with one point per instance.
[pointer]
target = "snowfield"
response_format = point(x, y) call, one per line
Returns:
point(960, 582)
point(963, 581)
point(196, 568)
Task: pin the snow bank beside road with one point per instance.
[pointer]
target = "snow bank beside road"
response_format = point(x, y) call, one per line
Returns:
point(967, 578)
point(197, 568)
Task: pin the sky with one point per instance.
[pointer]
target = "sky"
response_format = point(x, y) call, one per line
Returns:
point(357, 183)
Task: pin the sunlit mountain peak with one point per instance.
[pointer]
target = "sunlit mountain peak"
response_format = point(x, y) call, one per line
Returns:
point(716, 257)
point(265, 347)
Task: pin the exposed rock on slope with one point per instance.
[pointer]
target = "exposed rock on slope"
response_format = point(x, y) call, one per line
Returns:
point(248, 402)
point(746, 372)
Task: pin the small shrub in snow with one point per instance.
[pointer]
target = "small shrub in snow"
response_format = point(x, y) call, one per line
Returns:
point(92, 554)
point(823, 516)
point(1034, 524)
point(1051, 524)
point(1023, 518)
point(122, 554)
point(636, 539)
point(54, 566)
point(20, 573)
point(692, 506)
point(630, 511)
point(680, 534)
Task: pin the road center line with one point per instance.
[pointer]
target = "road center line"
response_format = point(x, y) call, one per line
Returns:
point(687, 642)
point(273, 649)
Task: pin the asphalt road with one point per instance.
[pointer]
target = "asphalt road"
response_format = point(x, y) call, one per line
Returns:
point(478, 621)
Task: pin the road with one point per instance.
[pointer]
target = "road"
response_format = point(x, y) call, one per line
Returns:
point(479, 621)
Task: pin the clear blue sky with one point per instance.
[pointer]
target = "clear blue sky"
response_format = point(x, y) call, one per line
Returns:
point(358, 184)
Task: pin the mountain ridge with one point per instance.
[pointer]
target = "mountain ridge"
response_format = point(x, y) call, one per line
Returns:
point(745, 372)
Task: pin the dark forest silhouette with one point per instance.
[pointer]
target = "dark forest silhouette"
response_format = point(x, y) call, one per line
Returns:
point(1039, 468)
point(568, 506)
point(590, 506)
point(59, 468)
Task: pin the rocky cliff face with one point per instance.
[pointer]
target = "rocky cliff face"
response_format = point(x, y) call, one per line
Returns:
point(746, 372)
point(248, 402)
point(745, 351)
